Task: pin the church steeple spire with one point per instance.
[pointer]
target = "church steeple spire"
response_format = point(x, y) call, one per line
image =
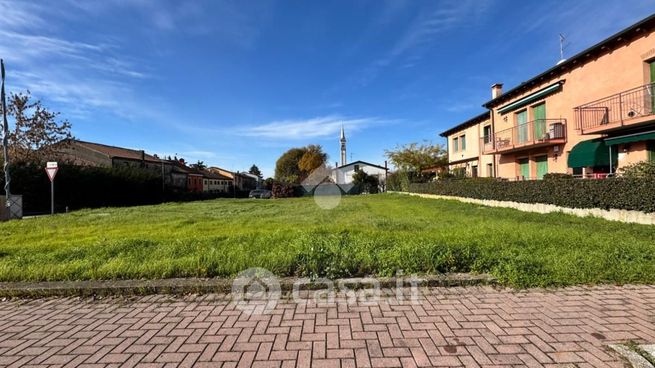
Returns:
point(342, 140)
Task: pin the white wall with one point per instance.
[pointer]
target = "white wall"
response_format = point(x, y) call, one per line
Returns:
point(344, 175)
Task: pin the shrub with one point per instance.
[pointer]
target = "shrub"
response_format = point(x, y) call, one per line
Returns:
point(556, 176)
point(625, 193)
point(401, 180)
point(284, 190)
point(84, 187)
point(365, 183)
point(91, 187)
point(643, 169)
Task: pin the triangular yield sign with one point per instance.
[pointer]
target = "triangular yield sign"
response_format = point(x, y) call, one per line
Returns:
point(51, 171)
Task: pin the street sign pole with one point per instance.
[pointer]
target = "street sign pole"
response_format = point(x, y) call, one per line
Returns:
point(52, 197)
point(51, 169)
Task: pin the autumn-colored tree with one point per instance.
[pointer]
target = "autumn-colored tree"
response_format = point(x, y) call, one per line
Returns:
point(416, 157)
point(297, 164)
point(313, 158)
point(37, 135)
point(286, 167)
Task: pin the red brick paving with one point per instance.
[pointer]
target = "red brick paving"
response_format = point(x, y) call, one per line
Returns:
point(449, 327)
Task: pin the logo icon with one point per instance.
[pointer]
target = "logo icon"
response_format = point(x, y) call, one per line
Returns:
point(256, 291)
point(324, 184)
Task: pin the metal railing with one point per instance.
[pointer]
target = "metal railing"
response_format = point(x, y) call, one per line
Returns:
point(532, 133)
point(616, 109)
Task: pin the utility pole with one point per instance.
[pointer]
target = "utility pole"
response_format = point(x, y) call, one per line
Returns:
point(5, 137)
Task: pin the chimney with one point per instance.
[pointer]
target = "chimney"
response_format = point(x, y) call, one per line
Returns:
point(496, 90)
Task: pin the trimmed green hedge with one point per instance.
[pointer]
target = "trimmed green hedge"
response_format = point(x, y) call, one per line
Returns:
point(92, 187)
point(620, 193)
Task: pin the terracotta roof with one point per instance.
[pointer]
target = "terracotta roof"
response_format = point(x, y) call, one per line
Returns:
point(113, 151)
point(214, 175)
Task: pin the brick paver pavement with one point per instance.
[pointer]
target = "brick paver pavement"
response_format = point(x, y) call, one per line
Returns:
point(449, 327)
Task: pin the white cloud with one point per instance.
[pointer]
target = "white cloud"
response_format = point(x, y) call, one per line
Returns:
point(324, 126)
point(73, 76)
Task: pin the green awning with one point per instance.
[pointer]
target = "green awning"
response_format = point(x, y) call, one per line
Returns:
point(589, 153)
point(530, 98)
point(630, 138)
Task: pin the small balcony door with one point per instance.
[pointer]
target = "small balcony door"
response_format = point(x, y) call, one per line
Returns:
point(542, 166)
point(524, 168)
point(539, 116)
point(522, 126)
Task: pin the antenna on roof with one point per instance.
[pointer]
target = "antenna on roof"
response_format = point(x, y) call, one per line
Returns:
point(562, 47)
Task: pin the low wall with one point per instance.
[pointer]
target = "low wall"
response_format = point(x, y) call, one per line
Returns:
point(634, 217)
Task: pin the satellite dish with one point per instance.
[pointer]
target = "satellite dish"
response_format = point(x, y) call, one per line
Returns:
point(561, 61)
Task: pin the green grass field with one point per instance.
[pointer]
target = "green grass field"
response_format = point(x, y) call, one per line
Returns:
point(365, 235)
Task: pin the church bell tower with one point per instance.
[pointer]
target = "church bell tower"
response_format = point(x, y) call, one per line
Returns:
point(342, 140)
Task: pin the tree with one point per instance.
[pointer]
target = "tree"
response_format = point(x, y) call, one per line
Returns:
point(416, 157)
point(200, 165)
point(296, 164)
point(37, 135)
point(313, 158)
point(365, 183)
point(286, 167)
point(255, 171)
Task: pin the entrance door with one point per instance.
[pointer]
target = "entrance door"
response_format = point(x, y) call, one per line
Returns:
point(539, 115)
point(542, 166)
point(524, 168)
point(522, 125)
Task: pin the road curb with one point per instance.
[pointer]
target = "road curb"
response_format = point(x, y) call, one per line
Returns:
point(183, 286)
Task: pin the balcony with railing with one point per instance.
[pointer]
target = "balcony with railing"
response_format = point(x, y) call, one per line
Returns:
point(533, 134)
point(628, 108)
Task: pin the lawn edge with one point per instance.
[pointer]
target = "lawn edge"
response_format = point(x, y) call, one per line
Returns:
point(184, 286)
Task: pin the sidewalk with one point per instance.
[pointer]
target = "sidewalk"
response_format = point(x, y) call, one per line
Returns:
point(449, 327)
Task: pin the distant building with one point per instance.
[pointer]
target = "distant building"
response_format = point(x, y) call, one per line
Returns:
point(194, 181)
point(216, 183)
point(464, 147)
point(84, 153)
point(243, 181)
point(344, 174)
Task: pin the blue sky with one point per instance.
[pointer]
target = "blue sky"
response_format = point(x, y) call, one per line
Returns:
point(234, 83)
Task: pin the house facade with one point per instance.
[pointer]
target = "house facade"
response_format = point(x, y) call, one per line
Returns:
point(344, 174)
point(465, 147)
point(243, 181)
point(215, 183)
point(588, 116)
point(84, 153)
